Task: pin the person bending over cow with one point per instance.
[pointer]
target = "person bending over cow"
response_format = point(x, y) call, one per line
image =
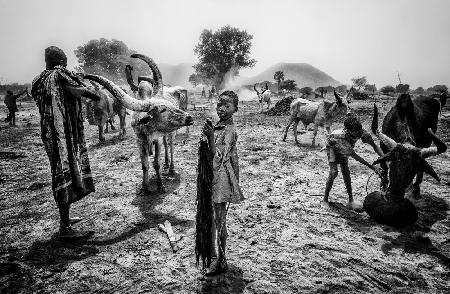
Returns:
point(339, 146)
point(225, 189)
point(57, 93)
point(10, 102)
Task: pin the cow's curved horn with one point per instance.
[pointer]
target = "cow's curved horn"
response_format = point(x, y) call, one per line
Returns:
point(157, 76)
point(389, 142)
point(127, 101)
point(428, 169)
point(432, 151)
point(128, 70)
point(338, 98)
point(254, 87)
point(383, 158)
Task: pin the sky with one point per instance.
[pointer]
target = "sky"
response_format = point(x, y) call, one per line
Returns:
point(345, 38)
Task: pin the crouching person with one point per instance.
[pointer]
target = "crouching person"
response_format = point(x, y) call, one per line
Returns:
point(339, 146)
point(225, 189)
point(57, 93)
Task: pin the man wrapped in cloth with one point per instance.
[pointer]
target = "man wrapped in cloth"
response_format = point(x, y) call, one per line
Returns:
point(57, 93)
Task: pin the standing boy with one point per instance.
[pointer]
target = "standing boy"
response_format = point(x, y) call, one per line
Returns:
point(222, 139)
point(339, 145)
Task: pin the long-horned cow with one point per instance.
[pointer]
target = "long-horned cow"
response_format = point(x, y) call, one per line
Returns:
point(103, 111)
point(408, 122)
point(178, 95)
point(264, 97)
point(405, 161)
point(321, 114)
point(154, 115)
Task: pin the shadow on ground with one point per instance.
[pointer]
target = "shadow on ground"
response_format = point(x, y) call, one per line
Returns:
point(231, 282)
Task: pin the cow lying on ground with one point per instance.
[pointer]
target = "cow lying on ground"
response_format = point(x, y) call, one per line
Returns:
point(408, 122)
point(264, 97)
point(176, 94)
point(102, 112)
point(155, 115)
point(321, 114)
point(405, 161)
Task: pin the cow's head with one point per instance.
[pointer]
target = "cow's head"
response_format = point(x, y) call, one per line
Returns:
point(157, 114)
point(405, 159)
point(340, 106)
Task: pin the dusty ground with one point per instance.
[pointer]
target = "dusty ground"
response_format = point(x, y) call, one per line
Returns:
point(281, 240)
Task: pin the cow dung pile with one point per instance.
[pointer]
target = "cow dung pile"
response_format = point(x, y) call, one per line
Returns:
point(282, 107)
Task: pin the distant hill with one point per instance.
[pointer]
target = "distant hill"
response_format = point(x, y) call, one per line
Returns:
point(304, 74)
point(176, 75)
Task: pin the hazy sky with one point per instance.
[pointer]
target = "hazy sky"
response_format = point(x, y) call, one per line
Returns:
point(345, 38)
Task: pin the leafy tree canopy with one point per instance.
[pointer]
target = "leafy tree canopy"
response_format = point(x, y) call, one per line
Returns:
point(387, 90)
point(222, 54)
point(289, 85)
point(402, 88)
point(108, 58)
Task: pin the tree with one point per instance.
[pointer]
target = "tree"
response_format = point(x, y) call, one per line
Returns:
point(387, 90)
point(341, 89)
point(108, 58)
point(195, 79)
point(358, 83)
point(289, 85)
point(321, 90)
point(222, 54)
point(306, 90)
point(278, 76)
point(440, 88)
point(370, 88)
point(402, 88)
point(419, 90)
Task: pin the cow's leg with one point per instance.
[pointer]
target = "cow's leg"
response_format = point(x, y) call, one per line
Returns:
point(106, 126)
point(166, 152)
point(296, 131)
point(121, 127)
point(291, 120)
point(156, 166)
point(416, 185)
point(171, 168)
point(316, 127)
point(144, 148)
point(111, 123)
point(101, 137)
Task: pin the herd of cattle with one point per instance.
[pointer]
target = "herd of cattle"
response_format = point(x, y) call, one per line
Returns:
point(406, 136)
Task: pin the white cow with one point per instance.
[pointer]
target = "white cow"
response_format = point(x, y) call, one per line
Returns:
point(264, 97)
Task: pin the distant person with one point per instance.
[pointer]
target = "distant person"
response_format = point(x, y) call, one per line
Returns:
point(57, 93)
point(203, 92)
point(210, 96)
point(11, 104)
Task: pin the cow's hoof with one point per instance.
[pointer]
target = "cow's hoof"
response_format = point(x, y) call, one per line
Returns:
point(166, 166)
point(399, 214)
point(171, 171)
point(102, 139)
point(113, 128)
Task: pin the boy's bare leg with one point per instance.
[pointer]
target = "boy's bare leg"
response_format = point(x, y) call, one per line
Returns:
point(220, 230)
point(348, 185)
point(331, 176)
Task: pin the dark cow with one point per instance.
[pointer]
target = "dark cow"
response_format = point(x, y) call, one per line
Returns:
point(408, 122)
point(405, 162)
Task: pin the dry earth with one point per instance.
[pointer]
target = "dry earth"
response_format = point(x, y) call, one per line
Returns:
point(280, 239)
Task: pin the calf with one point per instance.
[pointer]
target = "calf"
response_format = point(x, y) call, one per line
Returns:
point(321, 114)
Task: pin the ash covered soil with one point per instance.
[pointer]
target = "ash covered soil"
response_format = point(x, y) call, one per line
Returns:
point(280, 239)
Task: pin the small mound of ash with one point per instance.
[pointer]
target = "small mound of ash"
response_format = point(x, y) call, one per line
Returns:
point(282, 107)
